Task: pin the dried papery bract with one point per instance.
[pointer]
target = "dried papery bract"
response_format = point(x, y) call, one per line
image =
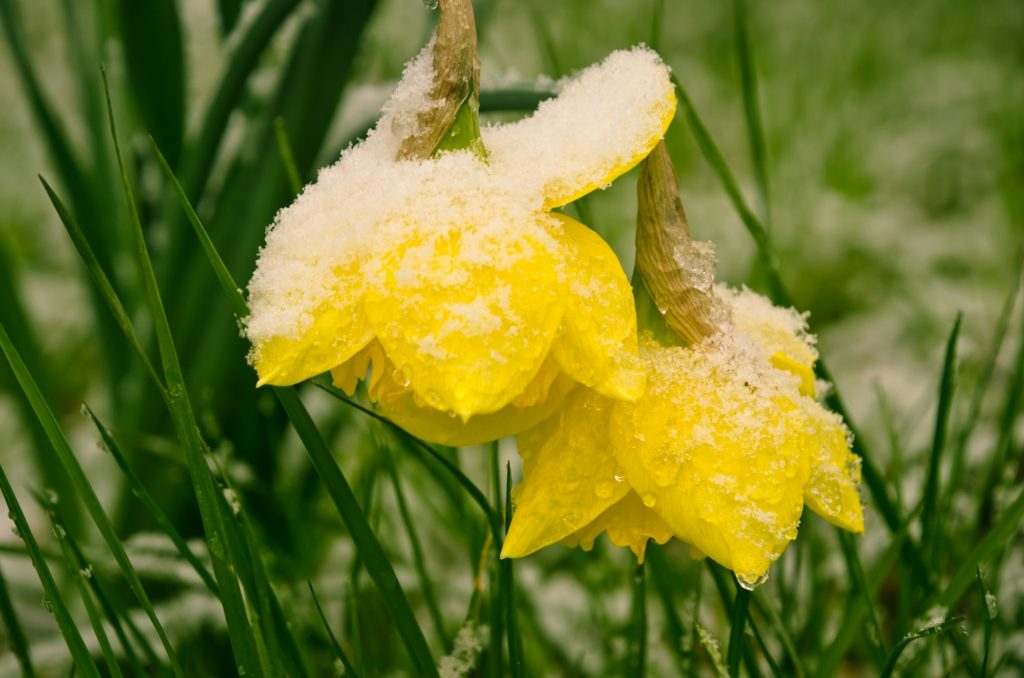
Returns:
point(452, 120)
point(679, 272)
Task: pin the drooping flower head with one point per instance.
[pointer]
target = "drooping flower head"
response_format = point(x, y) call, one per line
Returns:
point(476, 307)
point(723, 450)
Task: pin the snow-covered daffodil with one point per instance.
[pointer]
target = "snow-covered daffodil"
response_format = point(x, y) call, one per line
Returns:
point(722, 451)
point(476, 308)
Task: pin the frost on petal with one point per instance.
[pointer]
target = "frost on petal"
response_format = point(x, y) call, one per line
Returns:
point(570, 475)
point(831, 491)
point(714, 447)
point(597, 345)
point(467, 316)
point(628, 523)
point(780, 332)
point(603, 122)
point(338, 330)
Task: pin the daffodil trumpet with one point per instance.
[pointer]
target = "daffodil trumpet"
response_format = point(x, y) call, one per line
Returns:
point(432, 265)
point(727, 444)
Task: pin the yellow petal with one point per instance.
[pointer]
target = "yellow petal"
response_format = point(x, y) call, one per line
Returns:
point(424, 422)
point(467, 317)
point(806, 375)
point(597, 345)
point(338, 331)
point(781, 332)
point(831, 491)
point(569, 475)
point(628, 523)
point(722, 463)
point(604, 121)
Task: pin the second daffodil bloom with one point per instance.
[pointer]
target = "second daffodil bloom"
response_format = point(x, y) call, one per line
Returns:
point(723, 450)
point(475, 308)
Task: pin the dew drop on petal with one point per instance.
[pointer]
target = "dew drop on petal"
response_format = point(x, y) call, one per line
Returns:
point(648, 499)
point(751, 584)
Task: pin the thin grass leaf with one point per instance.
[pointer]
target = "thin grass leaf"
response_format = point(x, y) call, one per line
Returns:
point(101, 281)
point(496, 584)
point(764, 606)
point(991, 354)
point(665, 589)
point(83, 488)
point(228, 11)
point(738, 622)
point(751, 105)
point(860, 584)
point(474, 492)
point(240, 632)
point(931, 520)
point(76, 646)
point(161, 519)
point(338, 652)
point(636, 638)
point(996, 540)
point(114, 616)
point(852, 625)
point(1007, 426)
point(154, 60)
point(710, 645)
point(987, 607)
point(509, 598)
point(15, 635)
point(721, 578)
point(229, 91)
point(338, 489)
point(78, 572)
point(284, 149)
point(419, 561)
point(924, 632)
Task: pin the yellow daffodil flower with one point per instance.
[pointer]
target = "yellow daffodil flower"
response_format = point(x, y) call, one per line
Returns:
point(722, 451)
point(476, 307)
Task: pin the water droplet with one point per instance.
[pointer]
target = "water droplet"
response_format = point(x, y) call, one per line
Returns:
point(648, 499)
point(84, 410)
point(751, 584)
point(47, 604)
point(86, 572)
point(430, 4)
point(604, 490)
point(51, 495)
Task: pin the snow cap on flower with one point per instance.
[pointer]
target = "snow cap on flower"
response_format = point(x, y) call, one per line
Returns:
point(722, 451)
point(451, 267)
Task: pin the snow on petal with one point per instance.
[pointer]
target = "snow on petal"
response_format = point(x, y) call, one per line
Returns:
point(603, 122)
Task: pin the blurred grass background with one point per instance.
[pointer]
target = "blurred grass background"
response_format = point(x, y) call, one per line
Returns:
point(894, 167)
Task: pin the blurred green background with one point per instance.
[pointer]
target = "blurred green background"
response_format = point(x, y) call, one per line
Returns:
point(894, 163)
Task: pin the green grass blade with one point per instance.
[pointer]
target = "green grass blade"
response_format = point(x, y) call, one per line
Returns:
point(997, 539)
point(340, 491)
point(665, 589)
point(161, 519)
point(78, 570)
point(1005, 440)
point(988, 614)
point(79, 652)
point(924, 632)
point(229, 91)
point(240, 632)
point(370, 550)
point(15, 634)
point(496, 584)
point(931, 520)
point(508, 586)
point(338, 652)
point(751, 105)
point(419, 561)
point(636, 640)
point(721, 577)
point(284, 148)
point(228, 11)
point(155, 62)
point(959, 452)
point(101, 281)
point(736, 630)
point(82, 487)
point(860, 584)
